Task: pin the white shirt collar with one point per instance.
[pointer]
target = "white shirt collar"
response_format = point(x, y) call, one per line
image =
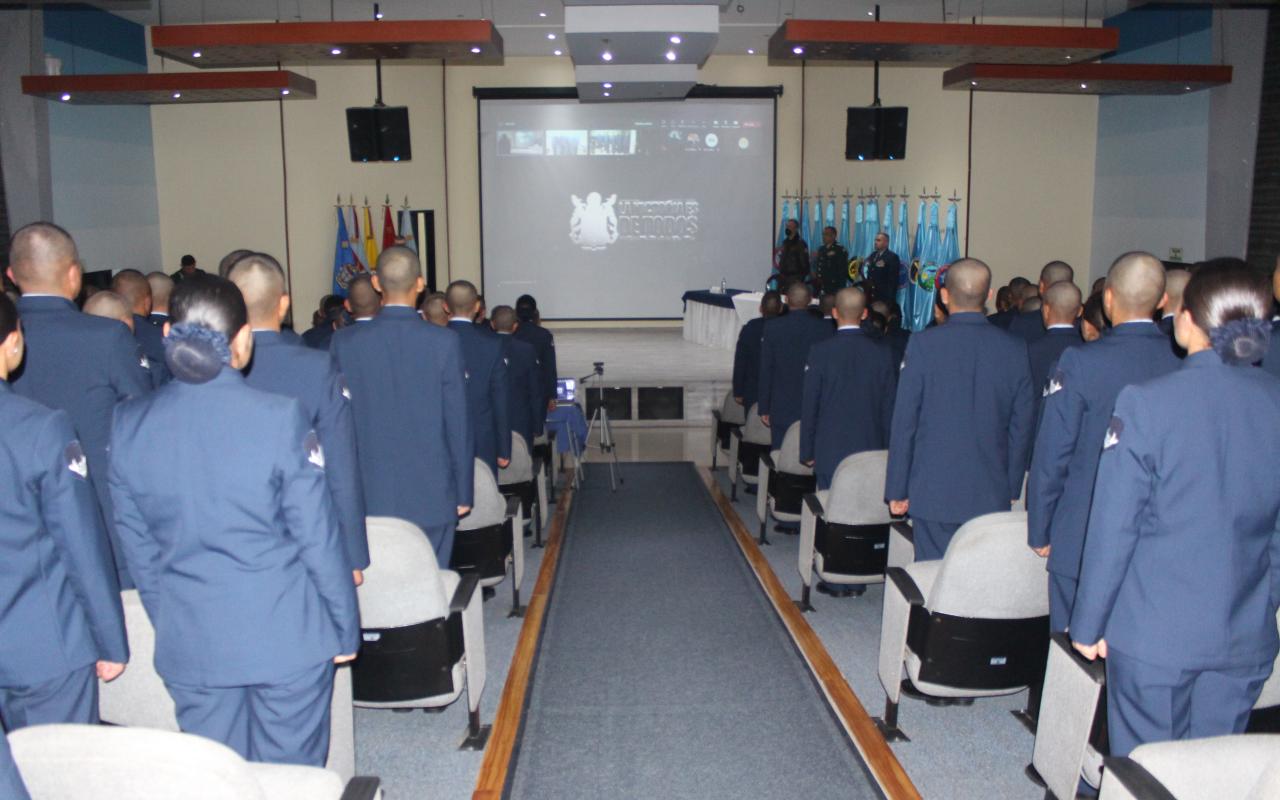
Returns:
point(1060, 325)
point(43, 294)
point(849, 328)
point(462, 319)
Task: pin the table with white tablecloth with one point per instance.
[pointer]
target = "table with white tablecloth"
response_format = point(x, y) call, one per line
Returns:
point(714, 318)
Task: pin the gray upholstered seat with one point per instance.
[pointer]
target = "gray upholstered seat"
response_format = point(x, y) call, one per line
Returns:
point(971, 624)
point(844, 530)
point(723, 421)
point(88, 762)
point(746, 445)
point(1242, 767)
point(423, 627)
point(490, 539)
point(139, 699)
point(525, 479)
point(783, 482)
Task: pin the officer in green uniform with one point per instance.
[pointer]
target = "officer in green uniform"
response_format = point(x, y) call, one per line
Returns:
point(833, 263)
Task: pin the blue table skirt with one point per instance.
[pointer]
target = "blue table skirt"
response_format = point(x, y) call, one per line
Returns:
point(563, 419)
point(712, 298)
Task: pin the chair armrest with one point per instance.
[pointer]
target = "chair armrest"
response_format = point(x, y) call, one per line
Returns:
point(766, 458)
point(361, 788)
point(1134, 777)
point(1096, 670)
point(715, 417)
point(462, 595)
point(737, 433)
point(907, 587)
point(513, 505)
point(815, 505)
point(903, 529)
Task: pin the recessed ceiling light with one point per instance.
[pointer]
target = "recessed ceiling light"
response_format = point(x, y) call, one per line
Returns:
point(377, 15)
point(871, 13)
point(551, 36)
point(798, 50)
point(558, 52)
point(607, 85)
point(1068, 58)
point(1084, 86)
point(675, 39)
point(542, 13)
point(475, 50)
point(196, 54)
point(284, 92)
point(606, 94)
point(973, 83)
point(66, 97)
point(1187, 88)
point(337, 51)
point(177, 95)
point(671, 55)
point(751, 51)
point(606, 56)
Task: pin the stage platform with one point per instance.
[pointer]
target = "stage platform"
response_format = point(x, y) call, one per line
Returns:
point(650, 362)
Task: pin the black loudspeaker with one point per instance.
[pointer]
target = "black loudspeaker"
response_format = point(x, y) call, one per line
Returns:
point(876, 133)
point(379, 134)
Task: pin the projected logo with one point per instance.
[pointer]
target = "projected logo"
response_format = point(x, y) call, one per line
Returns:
point(597, 223)
point(594, 225)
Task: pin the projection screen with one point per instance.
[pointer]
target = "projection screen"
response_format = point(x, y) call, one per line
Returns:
point(613, 211)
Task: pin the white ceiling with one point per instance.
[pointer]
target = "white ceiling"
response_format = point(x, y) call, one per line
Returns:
point(744, 24)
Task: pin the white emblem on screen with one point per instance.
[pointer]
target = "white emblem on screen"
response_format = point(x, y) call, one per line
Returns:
point(744, 143)
point(594, 225)
point(711, 140)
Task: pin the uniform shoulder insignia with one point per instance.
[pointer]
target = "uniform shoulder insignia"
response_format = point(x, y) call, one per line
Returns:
point(506, 361)
point(903, 365)
point(76, 460)
point(1114, 430)
point(1055, 383)
point(346, 390)
point(143, 362)
point(315, 453)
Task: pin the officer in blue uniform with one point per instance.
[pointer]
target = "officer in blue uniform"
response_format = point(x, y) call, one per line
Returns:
point(543, 342)
point(308, 377)
point(883, 266)
point(11, 785)
point(1077, 402)
point(1175, 283)
point(61, 625)
point(525, 407)
point(849, 385)
point(1060, 310)
point(962, 419)
point(78, 363)
point(894, 335)
point(243, 573)
point(133, 287)
point(1027, 324)
point(784, 350)
point(161, 287)
point(1005, 309)
point(409, 399)
point(746, 355)
point(488, 387)
point(1181, 574)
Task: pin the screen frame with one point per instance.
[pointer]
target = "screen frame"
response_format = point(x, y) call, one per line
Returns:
point(700, 91)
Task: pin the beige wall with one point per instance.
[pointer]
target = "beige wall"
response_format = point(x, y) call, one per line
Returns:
point(221, 183)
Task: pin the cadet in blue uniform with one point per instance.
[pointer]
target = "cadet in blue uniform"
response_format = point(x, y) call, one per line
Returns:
point(1181, 574)
point(308, 377)
point(526, 409)
point(1175, 283)
point(894, 334)
point(784, 350)
point(1078, 399)
point(746, 355)
point(409, 398)
point(136, 291)
point(80, 364)
point(488, 387)
point(1004, 307)
point(849, 386)
point(1061, 307)
point(241, 568)
point(1029, 325)
point(962, 420)
point(161, 287)
point(61, 626)
point(543, 342)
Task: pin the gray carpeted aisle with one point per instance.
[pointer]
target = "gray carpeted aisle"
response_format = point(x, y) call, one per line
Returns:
point(663, 670)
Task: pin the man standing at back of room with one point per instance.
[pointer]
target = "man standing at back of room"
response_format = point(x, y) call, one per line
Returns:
point(962, 420)
point(832, 263)
point(746, 356)
point(161, 287)
point(883, 266)
point(80, 364)
point(131, 285)
point(309, 377)
point(409, 400)
point(487, 385)
point(1028, 324)
point(525, 407)
point(187, 270)
point(543, 342)
point(783, 353)
point(1078, 401)
point(1061, 307)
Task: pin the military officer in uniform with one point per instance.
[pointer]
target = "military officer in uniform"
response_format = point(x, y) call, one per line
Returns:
point(80, 364)
point(746, 354)
point(187, 270)
point(832, 263)
point(61, 625)
point(1060, 310)
point(242, 568)
point(1077, 401)
point(526, 409)
point(962, 417)
point(784, 350)
point(543, 342)
point(1181, 574)
point(309, 377)
point(882, 269)
point(488, 387)
point(136, 291)
point(1028, 323)
point(409, 400)
point(793, 257)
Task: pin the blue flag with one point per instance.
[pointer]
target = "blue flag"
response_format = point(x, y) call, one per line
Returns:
point(345, 266)
point(782, 225)
point(815, 232)
point(843, 236)
point(924, 276)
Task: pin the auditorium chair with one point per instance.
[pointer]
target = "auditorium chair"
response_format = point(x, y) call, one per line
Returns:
point(1241, 767)
point(844, 530)
point(138, 698)
point(782, 483)
point(423, 629)
point(89, 762)
point(525, 479)
point(974, 623)
point(491, 538)
point(544, 449)
point(723, 422)
point(746, 444)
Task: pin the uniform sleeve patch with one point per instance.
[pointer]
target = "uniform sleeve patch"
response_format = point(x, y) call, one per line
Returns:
point(1114, 431)
point(1055, 383)
point(76, 460)
point(346, 390)
point(315, 453)
point(144, 362)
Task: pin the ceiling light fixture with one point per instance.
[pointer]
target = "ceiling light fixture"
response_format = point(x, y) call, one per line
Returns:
point(606, 94)
point(558, 52)
point(1084, 86)
point(377, 15)
point(606, 56)
point(607, 85)
point(671, 55)
point(66, 97)
point(973, 83)
point(475, 50)
point(674, 39)
point(798, 50)
point(542, 14)
point(337, 51)
point(177, 95)
point(196, 54)
point(284, 92)
point(751, 51)
point(551, 36)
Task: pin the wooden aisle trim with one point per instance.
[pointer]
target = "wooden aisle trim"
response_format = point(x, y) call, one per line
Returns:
point(492, 779)
point(875, 752)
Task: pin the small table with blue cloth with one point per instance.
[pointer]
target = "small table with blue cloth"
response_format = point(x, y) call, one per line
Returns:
point(711, 319)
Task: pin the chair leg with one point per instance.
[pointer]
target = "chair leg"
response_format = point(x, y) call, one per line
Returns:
point(888, 724)
point(477, 735)
point(733, 492)
point(1030, 716)
point(536, 506)
point(764, 524)
point(517, 610)
point(803, 603)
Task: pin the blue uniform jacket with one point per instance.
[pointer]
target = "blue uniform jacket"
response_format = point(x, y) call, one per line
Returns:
point(151, 342)
point(545, 345)
point(746, 362)
point(1044, 354)
point(488, 392)
point(1002, 318)
point(226, 522)
point(413, 434)
point(1182, 561)
point(309, 377)
point(1078, 400)
point(526, 407)
point(82, 365)
point(1027, 325)
point(318, 336)
point(962, 421)
point(849, 385)
point(59, 599)
point(784, 351)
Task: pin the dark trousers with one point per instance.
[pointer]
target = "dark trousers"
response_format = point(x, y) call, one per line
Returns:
point(68, 698)
point(931, 537)
point(284, 722)
point(1154, 703)
point(1062, 598)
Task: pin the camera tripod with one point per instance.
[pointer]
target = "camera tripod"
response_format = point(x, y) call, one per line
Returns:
point(601, 418)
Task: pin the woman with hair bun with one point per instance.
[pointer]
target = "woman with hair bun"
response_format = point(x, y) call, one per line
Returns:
point(226, 524)
point(1180, 579)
